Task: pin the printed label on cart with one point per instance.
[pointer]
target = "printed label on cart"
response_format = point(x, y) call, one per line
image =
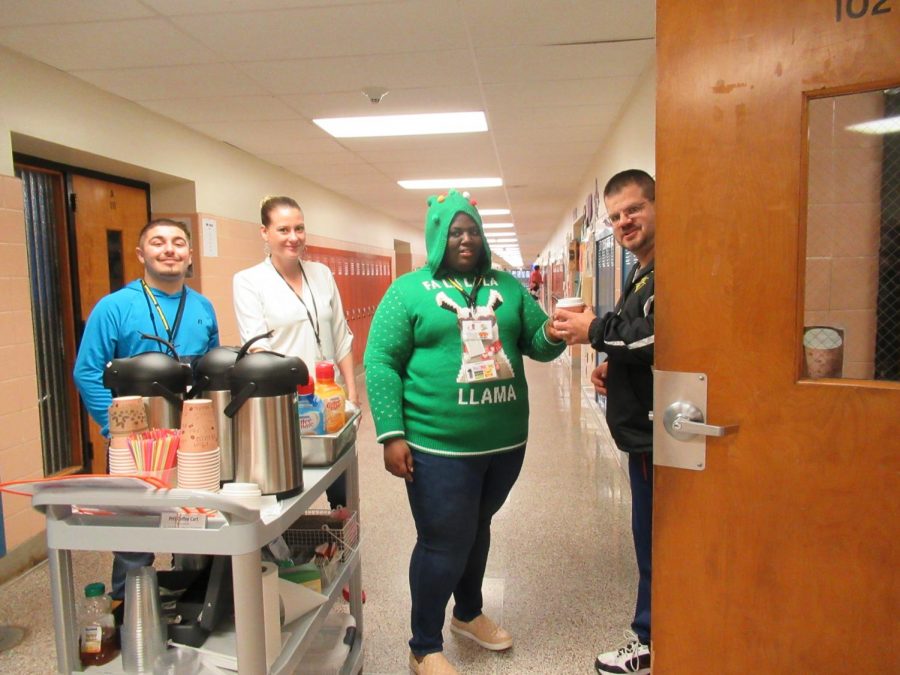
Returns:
point(183, 521)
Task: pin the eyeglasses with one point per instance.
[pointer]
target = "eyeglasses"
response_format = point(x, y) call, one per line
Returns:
point(629, 212)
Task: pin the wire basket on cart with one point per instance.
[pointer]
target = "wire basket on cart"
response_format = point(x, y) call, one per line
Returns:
point(317, 527)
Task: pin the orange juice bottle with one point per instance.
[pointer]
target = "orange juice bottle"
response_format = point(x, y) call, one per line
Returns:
point(332, 395)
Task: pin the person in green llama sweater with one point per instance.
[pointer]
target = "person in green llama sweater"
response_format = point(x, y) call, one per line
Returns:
point(447, 390)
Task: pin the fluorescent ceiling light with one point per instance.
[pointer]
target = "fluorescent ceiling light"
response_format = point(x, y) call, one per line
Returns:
point(403, 125)
point(502, 240)
point(442, 183)
point(495, 226)
point(888, 125)
point(494, 212)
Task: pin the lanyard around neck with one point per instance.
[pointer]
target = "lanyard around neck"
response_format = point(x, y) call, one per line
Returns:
point(171, 331)
point(313, 322)
point(471, 298)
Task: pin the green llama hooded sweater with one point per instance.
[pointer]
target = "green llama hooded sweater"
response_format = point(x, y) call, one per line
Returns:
point(447, 377)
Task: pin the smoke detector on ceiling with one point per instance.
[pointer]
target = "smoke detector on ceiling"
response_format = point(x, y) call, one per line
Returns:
point(374, 94)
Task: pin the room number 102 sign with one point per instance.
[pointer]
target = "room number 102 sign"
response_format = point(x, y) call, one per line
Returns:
point(857, 9)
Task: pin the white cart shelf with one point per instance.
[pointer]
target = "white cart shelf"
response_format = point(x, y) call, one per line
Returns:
point(241, 535)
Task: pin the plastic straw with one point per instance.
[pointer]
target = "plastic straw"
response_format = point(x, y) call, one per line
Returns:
point(155, 450)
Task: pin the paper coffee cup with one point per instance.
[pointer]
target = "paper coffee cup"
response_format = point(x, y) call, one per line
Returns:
point(573, 304)
point(198, 426)
point(127, 415)
point(823, 347)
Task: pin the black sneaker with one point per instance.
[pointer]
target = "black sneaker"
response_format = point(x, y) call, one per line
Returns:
point(633, 657)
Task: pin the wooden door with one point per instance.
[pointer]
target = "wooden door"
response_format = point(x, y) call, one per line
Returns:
point(108, 219)
point(781, 555)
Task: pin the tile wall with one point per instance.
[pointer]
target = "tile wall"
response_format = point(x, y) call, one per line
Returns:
point(20, 432)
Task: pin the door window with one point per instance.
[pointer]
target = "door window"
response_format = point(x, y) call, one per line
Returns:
point(852, 293)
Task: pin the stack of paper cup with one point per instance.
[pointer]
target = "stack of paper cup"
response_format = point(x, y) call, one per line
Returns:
point(121, 461)
point(199, 459)
point(248, 494)
point(199, 470)
point(127, 415)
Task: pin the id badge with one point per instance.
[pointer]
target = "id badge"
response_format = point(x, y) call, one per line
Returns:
point(481, 371)
point(473, 329)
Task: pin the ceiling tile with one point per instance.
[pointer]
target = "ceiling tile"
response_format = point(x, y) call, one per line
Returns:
point(275, 136)
point(351, 73)
point(562, 93)
point(29, 12)
point(193, 81)
point(576, 62)
point(339, 157)
point(180, 7)
point(222, 109)
point(406, 148)
point(107, 44)
point(552, 116)
point(539, 22)
point(589, 134)
point(334, 30)
point(437, 167)
point(396, 102)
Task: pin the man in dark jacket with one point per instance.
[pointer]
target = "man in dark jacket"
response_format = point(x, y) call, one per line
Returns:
point(626, 378)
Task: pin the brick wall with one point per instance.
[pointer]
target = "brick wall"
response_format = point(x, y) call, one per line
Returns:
point(20, 433)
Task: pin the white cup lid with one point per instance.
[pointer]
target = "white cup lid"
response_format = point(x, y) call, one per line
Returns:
point(242, 488)
point(569, 302)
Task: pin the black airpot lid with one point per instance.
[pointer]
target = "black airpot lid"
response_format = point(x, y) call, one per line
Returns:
point(138, 375)
point(211, 369)
point(272, 373)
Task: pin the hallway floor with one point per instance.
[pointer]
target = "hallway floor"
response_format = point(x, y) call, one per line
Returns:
point(561, 575)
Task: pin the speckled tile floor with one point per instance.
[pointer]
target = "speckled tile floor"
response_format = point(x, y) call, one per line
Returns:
point(561, 576)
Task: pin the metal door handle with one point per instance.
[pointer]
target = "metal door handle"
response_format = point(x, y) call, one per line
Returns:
point(683, 420)
point(684, 424)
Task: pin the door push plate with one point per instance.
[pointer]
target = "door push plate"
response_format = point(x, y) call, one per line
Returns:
point(680, 427)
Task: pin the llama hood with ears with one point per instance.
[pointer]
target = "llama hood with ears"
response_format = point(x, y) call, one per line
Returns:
point(442, 209)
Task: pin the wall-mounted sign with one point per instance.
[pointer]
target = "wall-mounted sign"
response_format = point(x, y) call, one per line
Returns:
point(210, 238)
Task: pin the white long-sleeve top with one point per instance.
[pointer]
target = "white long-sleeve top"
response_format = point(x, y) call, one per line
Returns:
point(263, 301)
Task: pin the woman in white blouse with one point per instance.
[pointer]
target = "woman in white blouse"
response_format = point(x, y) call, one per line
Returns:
point(297, 300)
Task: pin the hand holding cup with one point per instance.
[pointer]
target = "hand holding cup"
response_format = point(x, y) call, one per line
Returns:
point(572, 320)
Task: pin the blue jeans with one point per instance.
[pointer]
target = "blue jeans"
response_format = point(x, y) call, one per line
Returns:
point(640, 472)
point(122, 562)
point(453, 500)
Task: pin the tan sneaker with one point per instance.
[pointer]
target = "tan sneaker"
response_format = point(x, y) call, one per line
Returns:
point(433, 664)
point(484, 632)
